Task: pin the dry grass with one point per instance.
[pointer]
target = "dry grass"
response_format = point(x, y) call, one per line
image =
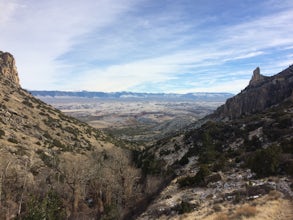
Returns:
point(217, 208)
point(245, 211)
point(274, 194)
point(221, 216)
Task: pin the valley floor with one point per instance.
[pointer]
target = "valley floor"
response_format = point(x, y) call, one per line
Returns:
point(135, 120)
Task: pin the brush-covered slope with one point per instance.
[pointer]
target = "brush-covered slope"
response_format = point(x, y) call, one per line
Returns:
point(229, 169)
point(53, 166)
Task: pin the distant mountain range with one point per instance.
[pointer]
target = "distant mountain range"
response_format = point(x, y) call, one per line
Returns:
point(198, 96)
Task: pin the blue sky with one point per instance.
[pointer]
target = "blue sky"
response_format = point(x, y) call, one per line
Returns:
point(176, 46)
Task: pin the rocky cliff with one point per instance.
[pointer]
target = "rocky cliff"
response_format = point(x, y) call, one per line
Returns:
point(261, 93)
point(7, 68)
point(49, 158)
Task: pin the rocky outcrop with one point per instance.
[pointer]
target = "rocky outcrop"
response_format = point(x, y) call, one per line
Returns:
point(256, 77)
point(261, 93)
point(7, 68)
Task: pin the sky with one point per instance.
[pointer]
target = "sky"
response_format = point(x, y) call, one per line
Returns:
point(171, 46)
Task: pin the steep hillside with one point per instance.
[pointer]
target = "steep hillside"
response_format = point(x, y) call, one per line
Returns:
point(55, 167)
point(228, 169)
point(261, 93)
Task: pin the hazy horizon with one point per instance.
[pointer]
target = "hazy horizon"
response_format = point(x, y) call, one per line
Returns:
point(146, 46)
point(96, 91)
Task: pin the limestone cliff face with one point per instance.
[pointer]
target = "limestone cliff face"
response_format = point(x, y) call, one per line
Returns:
point(261, 93)
point(7, 68)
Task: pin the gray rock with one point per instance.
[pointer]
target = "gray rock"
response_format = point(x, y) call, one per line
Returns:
point(256, 77)
point(261, 93)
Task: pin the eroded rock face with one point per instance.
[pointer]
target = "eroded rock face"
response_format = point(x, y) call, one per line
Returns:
point(261, 93)
point(256, 77)
point(7, 68)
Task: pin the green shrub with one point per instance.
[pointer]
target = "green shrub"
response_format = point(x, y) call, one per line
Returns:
point(197, 180)
point(202, 174)
point(111, 213)
point(72, 130)
point(265, 162)
point(177, 147)
point(20, 150)
point(188, 181)
point(165, 152)
point(208, 156)
point(57, 143)
point(27, 103)
point(287, 146)
point(148, 163)
point(47, 135)
point(184, 160)
point(184, 207)
point(288, 167)
point(13, 140)
point(50, 161)
point(2, 133)
point(151, 165)
point(50, 207)
point(221, 163)
point(285, 122)
point(253, 144)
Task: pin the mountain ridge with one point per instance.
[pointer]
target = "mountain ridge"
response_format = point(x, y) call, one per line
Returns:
point(261, 93)
point(197, 96)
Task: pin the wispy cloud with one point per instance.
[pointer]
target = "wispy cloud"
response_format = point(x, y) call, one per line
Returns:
point(112, 45)
point(38, 32)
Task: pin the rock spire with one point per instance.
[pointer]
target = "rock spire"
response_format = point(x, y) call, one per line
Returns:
point(256, 77)
point(8, 68)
